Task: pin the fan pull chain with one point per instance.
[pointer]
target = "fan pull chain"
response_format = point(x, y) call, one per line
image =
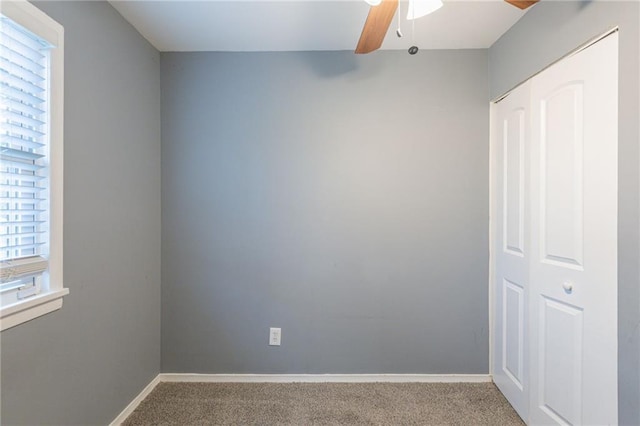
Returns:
point(413, 31)
point(413, 49)
point(399, 31)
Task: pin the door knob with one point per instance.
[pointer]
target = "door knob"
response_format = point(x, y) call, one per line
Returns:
point(567, 286)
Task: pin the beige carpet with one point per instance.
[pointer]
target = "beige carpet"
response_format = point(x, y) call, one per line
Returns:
point(324, 404)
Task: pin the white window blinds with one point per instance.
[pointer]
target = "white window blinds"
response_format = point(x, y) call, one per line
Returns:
point(24, 206)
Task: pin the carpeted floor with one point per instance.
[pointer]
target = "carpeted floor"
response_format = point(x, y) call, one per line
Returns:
point(324, 404)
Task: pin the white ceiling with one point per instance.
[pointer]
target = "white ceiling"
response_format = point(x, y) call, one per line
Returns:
point(299, 25)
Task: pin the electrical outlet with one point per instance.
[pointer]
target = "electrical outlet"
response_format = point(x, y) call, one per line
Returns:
point(274, 336)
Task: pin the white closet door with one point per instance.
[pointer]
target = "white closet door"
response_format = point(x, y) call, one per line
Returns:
point(573, 272)
point(511, 247)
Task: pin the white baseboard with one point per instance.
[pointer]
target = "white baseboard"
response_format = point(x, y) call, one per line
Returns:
point(297, 378)
point(136, 401)
point(326, 378)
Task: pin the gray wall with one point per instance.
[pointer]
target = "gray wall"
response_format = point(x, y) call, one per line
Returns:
point(84, 363)
point(343, 198)
point(547, 32)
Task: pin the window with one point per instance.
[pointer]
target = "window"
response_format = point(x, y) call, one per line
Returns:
point(31, 117)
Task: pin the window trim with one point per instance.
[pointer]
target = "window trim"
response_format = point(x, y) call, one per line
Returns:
point(39, 23)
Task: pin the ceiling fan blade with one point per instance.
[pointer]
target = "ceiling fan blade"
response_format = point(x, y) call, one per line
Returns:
point(522, 4)
point(376, 26)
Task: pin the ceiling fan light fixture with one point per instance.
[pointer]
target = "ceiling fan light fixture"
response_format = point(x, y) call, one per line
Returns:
point(420, 8)
point(373, 2)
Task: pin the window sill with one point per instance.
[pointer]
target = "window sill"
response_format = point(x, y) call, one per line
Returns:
point(26, 310)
